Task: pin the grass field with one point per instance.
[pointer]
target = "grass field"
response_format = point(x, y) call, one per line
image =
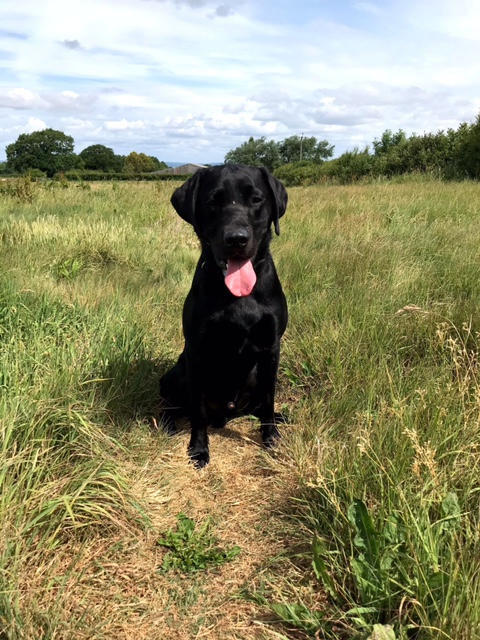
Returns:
point(364, 523)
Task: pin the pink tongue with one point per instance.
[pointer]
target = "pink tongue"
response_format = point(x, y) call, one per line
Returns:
point(241, 277)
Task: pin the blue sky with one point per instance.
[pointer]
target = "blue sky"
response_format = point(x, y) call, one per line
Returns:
point(188, 80)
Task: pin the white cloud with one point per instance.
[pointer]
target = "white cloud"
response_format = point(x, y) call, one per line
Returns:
point(71, 44)
point(162, 76)
point(223, 11)
point(368, 7)
point(19, 98)
point(456, 19)
point(35, 124)
point(122, 125)
point(120, 100)
point(25, 99)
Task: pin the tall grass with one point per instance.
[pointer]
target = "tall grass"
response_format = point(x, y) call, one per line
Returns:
point(379, 378)
point(383, 350)
point(77, 371)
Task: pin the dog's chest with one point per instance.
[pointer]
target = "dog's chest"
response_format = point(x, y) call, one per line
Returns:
point(232, 348)
point(245, 328)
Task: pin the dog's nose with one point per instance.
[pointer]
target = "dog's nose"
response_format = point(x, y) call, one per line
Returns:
point(236, 237)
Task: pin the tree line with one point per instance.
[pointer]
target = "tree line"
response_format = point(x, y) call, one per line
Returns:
point(49, 152)
point(271, 154)
point(297, 160)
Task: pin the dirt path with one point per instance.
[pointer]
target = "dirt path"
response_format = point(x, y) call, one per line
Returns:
point(122, 594)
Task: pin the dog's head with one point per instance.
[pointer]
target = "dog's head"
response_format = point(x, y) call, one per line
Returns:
point(231, 208)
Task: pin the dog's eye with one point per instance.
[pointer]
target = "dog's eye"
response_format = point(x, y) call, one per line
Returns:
point(257, 199)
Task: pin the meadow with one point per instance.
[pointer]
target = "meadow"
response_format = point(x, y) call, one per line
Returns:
point(363, 523)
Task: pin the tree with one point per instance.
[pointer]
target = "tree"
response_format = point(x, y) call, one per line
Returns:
point(300, 148)
point(257, 153)
point(430, 152)
point(468, 149)
point(388, 140)
point(159, 164)
point(48, 150)
point(140, 163)
point(98, 157)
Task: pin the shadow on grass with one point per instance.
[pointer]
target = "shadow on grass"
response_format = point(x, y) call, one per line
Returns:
point(131, 390)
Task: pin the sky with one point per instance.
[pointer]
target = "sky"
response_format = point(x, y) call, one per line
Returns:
point(189, 80)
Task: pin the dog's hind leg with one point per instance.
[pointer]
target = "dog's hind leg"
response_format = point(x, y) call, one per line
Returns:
point(174, 395)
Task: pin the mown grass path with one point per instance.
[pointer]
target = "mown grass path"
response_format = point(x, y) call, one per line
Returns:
point(118, 588)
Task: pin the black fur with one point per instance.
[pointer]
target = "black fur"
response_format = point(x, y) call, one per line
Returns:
point(232, 344)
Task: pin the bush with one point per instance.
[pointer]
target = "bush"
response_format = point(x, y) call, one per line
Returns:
point(21, 189)
point(89, 176)
point(468, 150)
point(35, 174)
point(354, 165)
point(299, 174)
point(349, 167)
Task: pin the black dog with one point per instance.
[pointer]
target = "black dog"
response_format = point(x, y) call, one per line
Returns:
point(235, 312)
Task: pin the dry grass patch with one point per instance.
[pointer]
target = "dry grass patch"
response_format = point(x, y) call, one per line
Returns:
point(114, 588)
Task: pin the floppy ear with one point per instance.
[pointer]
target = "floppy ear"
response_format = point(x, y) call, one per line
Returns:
point(280, 197)
point(184, 199)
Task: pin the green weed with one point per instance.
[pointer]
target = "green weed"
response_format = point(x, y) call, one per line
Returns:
point(193, 549)
point(69, 268)
point(392, 582)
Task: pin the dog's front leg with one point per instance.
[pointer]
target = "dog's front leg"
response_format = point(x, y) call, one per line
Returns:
point(198, 447)
point(267, 378)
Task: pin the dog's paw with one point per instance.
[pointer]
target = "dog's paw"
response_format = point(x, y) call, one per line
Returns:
point(199, 458)
point(270, 435)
